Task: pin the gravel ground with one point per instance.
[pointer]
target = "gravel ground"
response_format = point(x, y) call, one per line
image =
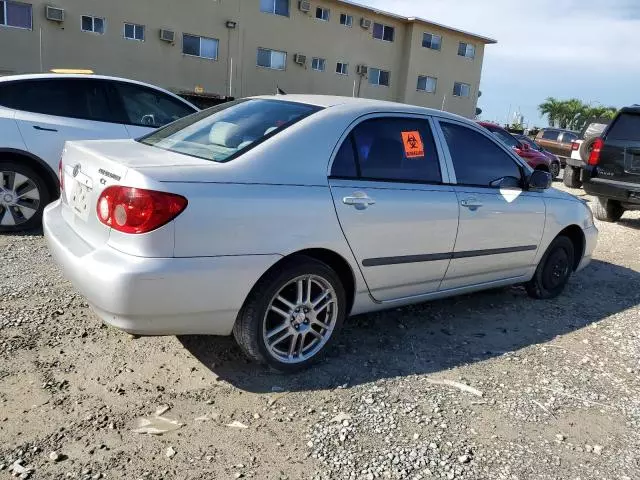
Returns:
point(486, 386)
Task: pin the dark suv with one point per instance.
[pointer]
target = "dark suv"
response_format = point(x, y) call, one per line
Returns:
point(612, 172)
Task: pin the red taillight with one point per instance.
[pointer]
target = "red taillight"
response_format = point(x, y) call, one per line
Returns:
point(135, 210)
point(594, 156)
point(575, 145)
point(61, 175)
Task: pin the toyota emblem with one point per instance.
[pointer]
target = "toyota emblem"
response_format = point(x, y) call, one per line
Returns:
point(76, 170)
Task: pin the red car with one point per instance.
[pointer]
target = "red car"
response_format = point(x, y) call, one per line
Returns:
point(536, 160)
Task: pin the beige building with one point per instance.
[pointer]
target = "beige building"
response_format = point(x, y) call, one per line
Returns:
point(248, 47)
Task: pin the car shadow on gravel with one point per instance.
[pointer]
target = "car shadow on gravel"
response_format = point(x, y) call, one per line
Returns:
point(435, 336)
point(630, 223)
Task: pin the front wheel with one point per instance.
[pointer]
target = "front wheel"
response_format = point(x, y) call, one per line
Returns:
point(23, 196)
point(554, 169)
point(292, 315)
point(554, 270)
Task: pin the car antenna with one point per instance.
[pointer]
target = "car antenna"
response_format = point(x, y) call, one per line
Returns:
point(279, 91)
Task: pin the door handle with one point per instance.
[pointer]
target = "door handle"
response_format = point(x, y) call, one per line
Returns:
point(42, 129)
point(360, 201)
point(471, 204)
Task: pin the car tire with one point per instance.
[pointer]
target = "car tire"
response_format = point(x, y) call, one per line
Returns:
point(607, 210)
point(571, 177)
point(554, 270)
point(23, 196)
point(554, 169)
point(586, 147)
point(277, 319)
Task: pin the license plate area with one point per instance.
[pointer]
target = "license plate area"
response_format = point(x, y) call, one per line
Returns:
point(632, 161)
point(80, 200)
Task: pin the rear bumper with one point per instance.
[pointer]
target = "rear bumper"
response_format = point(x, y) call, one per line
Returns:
point(574, 162)
point(155, 296)
point(591, 240)
point(626, 193)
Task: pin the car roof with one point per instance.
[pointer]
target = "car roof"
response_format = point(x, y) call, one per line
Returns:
point(48, 76)
point(329, 101)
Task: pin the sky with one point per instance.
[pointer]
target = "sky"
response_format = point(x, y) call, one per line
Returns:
point(587, 49)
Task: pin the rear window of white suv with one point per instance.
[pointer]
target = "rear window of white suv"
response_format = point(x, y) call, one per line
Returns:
point(224, 132)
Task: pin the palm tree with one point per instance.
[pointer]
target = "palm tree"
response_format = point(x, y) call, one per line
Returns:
point(551, 107)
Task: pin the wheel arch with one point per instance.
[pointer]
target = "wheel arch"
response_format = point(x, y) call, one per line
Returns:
point(36, 164)
point(576, 235)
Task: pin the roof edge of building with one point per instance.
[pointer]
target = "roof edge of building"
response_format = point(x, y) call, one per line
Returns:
point(486, 40)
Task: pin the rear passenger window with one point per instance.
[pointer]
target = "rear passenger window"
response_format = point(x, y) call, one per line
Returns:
point(550, 135)
point(477, 160)
point(73, 98)
point(344, 165)
point(626, 127)
point(396, 149)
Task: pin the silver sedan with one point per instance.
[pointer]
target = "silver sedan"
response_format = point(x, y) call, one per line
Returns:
point(275, 218)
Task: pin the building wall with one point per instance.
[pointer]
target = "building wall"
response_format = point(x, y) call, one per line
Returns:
point(164, 64)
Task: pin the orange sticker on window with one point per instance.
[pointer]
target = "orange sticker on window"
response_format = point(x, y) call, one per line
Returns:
point(413, 146)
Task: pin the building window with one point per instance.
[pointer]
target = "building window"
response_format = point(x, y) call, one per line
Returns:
point(322, 14)
point(342, 68)
point(15, 14)
point(134, 32)
point(93, 24)
point(277, 7)
point(318, 64)
point(427, 84)
point(429, 40)
point(383, 32)
point(202, 47)
point(272, 59)
point(378, 77)
point(467, 50)
point(461, 89)
point(346, 20)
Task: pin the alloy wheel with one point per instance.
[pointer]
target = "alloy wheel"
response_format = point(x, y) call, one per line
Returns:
point(19, 198)
point(300, 319)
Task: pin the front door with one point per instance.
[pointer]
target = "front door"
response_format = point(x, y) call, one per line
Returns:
point(398, 215)
point(501, 225)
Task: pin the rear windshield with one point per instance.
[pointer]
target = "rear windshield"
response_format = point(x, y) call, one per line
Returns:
point(625, 127)
point(224, 132)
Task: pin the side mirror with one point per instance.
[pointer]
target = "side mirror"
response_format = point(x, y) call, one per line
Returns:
point(540, 180)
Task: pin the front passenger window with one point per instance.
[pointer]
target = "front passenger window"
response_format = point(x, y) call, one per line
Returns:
point(477, 160)
point(148, 108)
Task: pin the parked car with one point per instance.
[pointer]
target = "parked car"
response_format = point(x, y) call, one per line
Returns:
point(581, 149)
point(273, 218)
point(554, 166)
point(557, 141)
point(612, 172)
point(38, 113)
point(536, 160)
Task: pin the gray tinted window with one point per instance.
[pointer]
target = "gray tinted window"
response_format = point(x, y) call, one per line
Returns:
point(550, 135)
point(625, 127)
point(344, 164)
point(397, 149)
point(149, 108)
point(476, 159)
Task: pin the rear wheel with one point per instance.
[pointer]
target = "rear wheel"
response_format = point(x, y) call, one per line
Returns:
point(293, 315)
point(554, 169)
point(553, 271)
point(608, 210)
point(571, 177)
point(23, 196)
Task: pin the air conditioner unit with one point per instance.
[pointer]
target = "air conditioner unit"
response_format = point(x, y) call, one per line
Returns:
point(304, 6)
point(300, 59)
point(54, 14)
point(365, 23)
point(362, 70)
point(167, 35)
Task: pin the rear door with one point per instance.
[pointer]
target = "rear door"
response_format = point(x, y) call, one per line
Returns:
point(620, 156)
point(50, 112)
point(143, 109)
point(396, 210)
point(500, 227)
point(549, 141)
point(566, 139)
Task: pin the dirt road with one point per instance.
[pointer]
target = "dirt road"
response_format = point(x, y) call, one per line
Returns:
point(545, 390)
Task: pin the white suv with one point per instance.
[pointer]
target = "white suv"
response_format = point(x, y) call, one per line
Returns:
point(39, 113)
